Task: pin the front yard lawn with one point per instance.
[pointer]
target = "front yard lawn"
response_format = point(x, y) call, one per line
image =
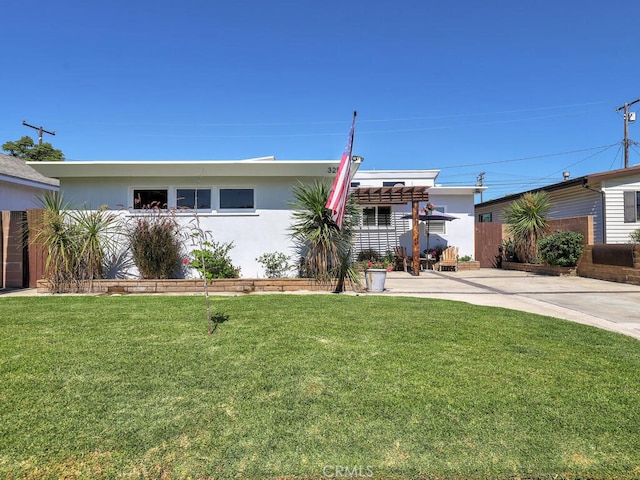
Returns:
point(299, 386)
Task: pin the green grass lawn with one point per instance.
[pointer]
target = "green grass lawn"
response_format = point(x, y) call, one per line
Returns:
point(310, 386)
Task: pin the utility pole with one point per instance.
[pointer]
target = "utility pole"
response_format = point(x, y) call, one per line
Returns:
point(479, 181)
point(625, 107)
point(40, 131)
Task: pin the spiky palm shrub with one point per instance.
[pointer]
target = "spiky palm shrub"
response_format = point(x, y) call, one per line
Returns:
point(155, 244)
point(59, 238)
point(97, 234)
point(527, 224)
point(325, 249)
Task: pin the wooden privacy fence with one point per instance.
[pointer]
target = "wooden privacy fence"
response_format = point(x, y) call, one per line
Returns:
point(489, 235)
point(22, 260)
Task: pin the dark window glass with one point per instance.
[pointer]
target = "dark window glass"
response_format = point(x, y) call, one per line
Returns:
point(186, 198)
point(143, 199)
point(236, 198)
point(369, 216)
point(384, 216)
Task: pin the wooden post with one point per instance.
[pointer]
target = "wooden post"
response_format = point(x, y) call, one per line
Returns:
point(416, 238)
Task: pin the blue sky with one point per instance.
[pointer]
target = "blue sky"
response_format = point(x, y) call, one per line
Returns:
point(519, 90)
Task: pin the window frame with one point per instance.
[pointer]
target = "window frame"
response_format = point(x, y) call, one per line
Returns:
point(631, 206)
point(132, 197)
point(377, 216)
point(236, 209)
point(195, 189)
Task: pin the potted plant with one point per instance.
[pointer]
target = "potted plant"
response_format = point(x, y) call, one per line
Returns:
point(375, 274)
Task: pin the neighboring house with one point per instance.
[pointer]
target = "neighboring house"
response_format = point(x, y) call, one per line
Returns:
point(247, 202)
point(21, 185)
point(383, 225)
point(612, 198)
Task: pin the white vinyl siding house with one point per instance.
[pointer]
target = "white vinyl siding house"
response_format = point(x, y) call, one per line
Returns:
point(621, 222)
point(600, 195)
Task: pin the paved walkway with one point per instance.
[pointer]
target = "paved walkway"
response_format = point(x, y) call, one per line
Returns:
point(608, 305)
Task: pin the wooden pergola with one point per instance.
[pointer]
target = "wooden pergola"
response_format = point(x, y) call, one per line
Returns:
point(398, 195)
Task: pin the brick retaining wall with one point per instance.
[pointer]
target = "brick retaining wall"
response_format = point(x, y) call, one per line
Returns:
point(237, 285)
point(612, 273)
point(539, 268)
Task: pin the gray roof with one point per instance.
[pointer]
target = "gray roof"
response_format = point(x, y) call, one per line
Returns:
point(17, 168)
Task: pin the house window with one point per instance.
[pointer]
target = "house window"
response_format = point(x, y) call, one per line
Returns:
point(631, 207)
point(392, 184)
point(376, 216)
point(236, 198)
point(193, 198)
point(355, 184)
point(484, 217)
point(149, 198)
point(437, 226)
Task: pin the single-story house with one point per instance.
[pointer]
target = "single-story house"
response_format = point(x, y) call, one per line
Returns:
point(612, 198)
point(247, 202)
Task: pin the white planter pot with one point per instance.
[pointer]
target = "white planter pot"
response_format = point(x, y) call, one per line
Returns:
point(375, 278)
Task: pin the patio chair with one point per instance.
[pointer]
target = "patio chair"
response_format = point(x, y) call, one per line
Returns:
point(448, 259)
point(403, 260)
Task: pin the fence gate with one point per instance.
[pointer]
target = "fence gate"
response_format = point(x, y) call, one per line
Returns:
point(488, 237)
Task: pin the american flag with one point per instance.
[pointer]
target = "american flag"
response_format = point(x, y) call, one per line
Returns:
point(337, 200)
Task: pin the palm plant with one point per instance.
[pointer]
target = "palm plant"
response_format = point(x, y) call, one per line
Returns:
point(97, 233)
point(324, 248)
point(58, 236)
point(527, 223)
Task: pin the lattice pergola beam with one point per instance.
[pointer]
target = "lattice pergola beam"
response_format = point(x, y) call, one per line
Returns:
point(396, 195)
point(389, 195)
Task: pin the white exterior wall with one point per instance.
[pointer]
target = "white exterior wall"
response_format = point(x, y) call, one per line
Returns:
point(456, 201)
point(617, 230)
point(253, 233)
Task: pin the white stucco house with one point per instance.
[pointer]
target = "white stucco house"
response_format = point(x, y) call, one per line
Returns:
point(385, 225)
point(21, 185)
point(247, 202)
point(611, 198)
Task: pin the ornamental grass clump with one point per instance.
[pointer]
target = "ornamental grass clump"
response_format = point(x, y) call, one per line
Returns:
point(155, 244)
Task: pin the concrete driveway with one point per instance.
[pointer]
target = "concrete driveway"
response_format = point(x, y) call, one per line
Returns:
point(608, 305)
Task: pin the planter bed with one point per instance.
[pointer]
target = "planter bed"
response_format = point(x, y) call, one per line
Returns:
point(539, 268)
point(232, 285)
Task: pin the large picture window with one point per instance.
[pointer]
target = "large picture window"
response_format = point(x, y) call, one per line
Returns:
point(631, 206)
point(193, 198)
point(149, 198)
point(237, 199)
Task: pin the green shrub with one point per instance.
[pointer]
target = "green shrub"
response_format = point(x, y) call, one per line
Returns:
point(368, 254)
point(155, 245)
point(563, 248)
point(213, 260)
point(276, 264)
point(465, 258)
point(634, 236)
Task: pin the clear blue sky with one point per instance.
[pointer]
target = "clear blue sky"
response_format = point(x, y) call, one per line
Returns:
point(502, 87)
